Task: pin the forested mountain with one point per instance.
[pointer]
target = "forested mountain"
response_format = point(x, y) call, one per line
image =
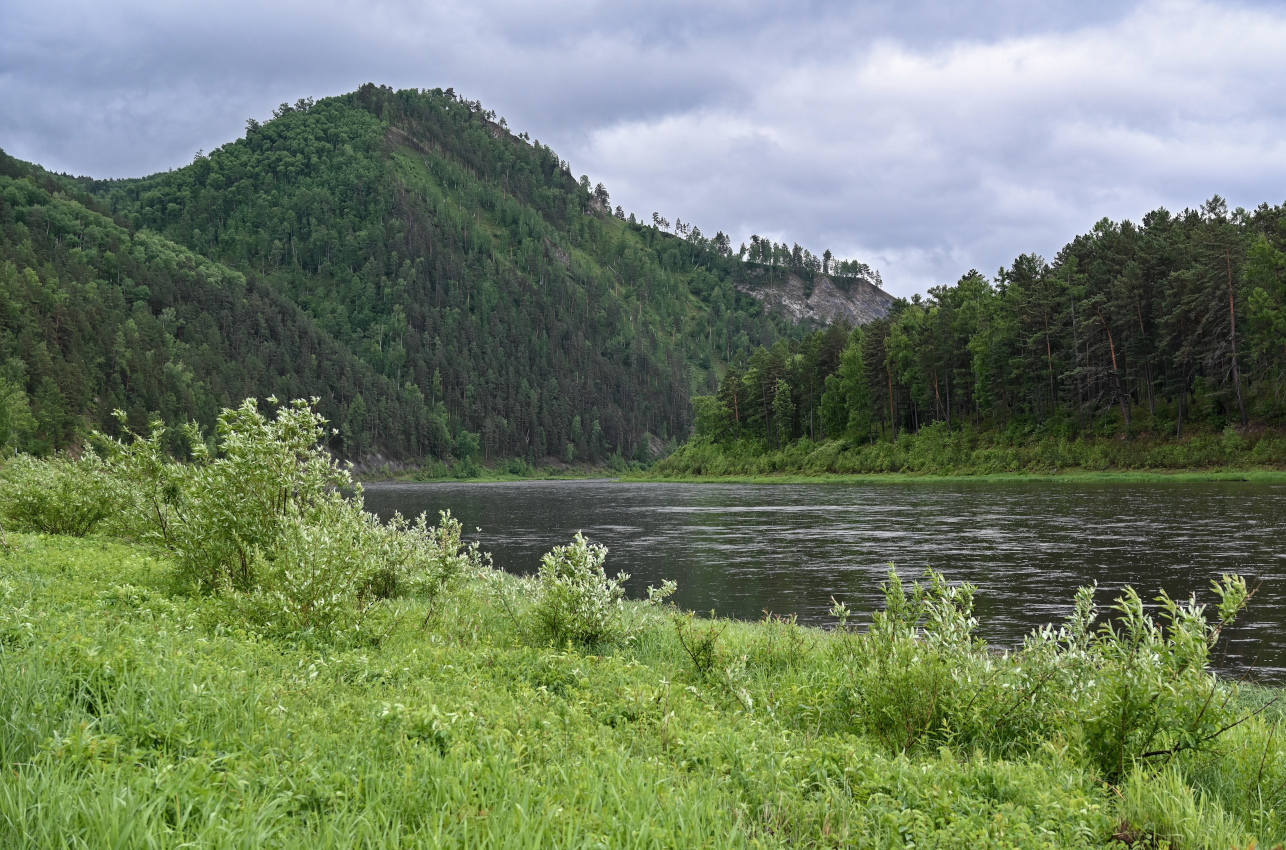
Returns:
point(1132, 329)
point(446, 287)
point(94, 316)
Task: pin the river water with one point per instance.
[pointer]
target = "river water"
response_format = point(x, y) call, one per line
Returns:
point(741, 550)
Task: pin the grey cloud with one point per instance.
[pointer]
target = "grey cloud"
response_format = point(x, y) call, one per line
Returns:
point(922, 137)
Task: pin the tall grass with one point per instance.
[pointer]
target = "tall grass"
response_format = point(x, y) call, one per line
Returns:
point(132, 716)
point(144, 706)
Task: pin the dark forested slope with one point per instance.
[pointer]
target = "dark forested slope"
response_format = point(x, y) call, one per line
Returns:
point(94, 317)
point(456, 258)
point(445, 286)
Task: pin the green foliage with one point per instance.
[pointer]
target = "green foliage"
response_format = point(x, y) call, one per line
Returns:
point(111, 317)
point(423, 559)
point(1161, 809)
point(1128, 351)
point(700, 642)
point(918, 677)
point(576, 601)
point(322, 255)
point(1145, 692)
point(266, 476)
point(269, 517)
point(311, 575)
point(134, 716)
point(57, 496)
point(151, 482)
point(964, 451)
point(17, 425)
point(1129, 693)
point(352, 221)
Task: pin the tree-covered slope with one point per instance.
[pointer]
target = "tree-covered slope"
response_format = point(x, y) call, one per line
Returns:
point(1155, 330)
point(96, 316)
point(465, 263)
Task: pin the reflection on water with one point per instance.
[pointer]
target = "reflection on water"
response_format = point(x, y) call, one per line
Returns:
point(741, 550)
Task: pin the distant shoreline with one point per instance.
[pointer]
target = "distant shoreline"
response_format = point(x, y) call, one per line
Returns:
point(1251, 475)
point(1259, 476)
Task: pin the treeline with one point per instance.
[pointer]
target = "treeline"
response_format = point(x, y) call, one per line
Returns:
point(1132, 330)
point(466, 264)
point(799, 259)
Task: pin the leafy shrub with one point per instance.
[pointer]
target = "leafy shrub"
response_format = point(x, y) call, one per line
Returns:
point(575, 600)
point(1269, 449)
point(919, 658)
point(1133, 691)
point(271, 517)
point(466, 468)
point(267, 476)
point(57, 495)
point(310, 579)
point(1143, 690)
point(263, 515)
point(415, 557)
point(326, 571)
point(520, 467)
point(151, 483)
point(700, 643)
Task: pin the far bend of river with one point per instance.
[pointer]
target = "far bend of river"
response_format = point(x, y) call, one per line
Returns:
point(741, 549)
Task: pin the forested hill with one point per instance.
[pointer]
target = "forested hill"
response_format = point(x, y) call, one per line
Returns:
point(95, 316)
point(447, 288)
point(457, 258)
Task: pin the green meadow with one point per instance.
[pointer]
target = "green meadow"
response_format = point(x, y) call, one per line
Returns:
point(225, 652)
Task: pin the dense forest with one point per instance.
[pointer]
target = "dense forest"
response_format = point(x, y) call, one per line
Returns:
point(1133, 330)
point(446, 287)
point(96, 317)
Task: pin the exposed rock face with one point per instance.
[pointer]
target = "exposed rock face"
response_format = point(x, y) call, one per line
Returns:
point(851, 300)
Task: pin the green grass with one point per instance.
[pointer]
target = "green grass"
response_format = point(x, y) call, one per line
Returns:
point(132, 715)
point(938, 452)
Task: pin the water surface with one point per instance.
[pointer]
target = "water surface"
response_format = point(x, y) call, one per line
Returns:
point(741, 550)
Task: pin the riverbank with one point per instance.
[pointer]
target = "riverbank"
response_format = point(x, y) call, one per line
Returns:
point(140, 715)
point(437, 472)
point(1069, 476)
point(939, 451)
point(933, 454)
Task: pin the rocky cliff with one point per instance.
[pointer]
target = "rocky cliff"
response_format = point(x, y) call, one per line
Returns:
point(823, 301)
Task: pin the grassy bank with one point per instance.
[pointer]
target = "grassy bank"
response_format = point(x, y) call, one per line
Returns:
point(228, 652)
point(436, 472)
point(137, 716)
point(964, 452)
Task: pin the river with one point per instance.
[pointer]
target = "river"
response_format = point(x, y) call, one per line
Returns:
point(740, 550)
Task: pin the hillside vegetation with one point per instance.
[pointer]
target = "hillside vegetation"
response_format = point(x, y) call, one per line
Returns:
point(1161, 345)
point(446, 288)
point(96, 316)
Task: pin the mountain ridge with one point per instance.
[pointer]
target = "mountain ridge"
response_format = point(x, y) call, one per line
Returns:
point(505, 311)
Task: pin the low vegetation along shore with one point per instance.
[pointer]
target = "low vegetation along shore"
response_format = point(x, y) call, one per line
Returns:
point(965, 451)
point(227, 653)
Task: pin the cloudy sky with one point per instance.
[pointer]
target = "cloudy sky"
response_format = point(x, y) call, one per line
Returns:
point(925, 138)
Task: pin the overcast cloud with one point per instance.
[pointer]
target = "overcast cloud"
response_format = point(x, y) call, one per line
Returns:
point(923, 138)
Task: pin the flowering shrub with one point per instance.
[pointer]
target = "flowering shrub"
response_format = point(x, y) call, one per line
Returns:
point(57, 496)
point(575, 600)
